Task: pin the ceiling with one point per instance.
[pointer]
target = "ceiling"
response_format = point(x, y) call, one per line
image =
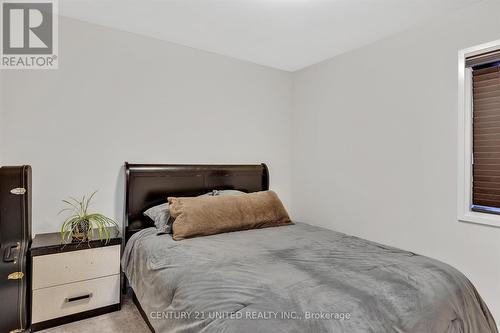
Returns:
point(284, 34)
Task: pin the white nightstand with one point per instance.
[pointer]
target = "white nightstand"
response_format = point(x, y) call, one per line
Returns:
point(70, 282)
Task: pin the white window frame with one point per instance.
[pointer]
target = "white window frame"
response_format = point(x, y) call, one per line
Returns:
point(465, 213)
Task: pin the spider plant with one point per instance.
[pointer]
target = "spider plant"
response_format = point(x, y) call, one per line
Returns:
point(81, 224)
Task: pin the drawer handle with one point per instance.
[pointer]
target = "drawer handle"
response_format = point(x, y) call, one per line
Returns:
point(77, 298)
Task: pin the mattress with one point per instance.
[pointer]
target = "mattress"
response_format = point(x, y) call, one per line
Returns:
point(297, 278)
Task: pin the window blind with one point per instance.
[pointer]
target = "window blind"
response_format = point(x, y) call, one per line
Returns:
point(486, 136)
point(483, 59)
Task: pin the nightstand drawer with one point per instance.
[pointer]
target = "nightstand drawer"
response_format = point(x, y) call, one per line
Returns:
point(54, 302)
point(57, 269)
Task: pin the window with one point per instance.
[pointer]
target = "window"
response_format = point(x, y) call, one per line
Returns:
point(479, 134)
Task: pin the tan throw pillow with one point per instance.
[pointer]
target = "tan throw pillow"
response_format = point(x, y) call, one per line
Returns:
point(210, 215)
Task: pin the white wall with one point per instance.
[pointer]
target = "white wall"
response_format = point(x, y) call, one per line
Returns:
point(2, 122)
point(375, 145)
point(121, 97)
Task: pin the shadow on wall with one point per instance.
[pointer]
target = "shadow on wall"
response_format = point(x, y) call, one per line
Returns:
point(120, 196)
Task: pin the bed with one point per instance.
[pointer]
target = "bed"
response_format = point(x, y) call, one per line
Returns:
point(296, 278)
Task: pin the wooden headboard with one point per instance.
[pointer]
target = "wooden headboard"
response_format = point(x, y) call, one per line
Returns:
point(148, 185)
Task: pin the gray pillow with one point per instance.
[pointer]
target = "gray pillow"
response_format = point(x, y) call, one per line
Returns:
point(161, 216)
point(215, 193)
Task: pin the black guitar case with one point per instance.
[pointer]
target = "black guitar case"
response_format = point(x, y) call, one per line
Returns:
point(15, 239)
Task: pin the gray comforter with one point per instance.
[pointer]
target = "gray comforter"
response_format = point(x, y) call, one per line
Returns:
point(297, 278)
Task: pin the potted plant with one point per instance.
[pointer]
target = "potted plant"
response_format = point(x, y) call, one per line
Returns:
point(81, 224)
